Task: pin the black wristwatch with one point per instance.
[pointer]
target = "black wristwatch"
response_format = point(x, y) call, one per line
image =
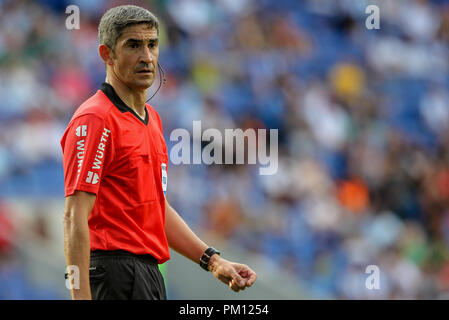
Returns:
point(204, 261)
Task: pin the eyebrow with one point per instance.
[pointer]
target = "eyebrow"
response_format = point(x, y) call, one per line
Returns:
point(152, 40)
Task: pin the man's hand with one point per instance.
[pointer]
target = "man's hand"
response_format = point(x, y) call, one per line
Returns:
point(237, 276)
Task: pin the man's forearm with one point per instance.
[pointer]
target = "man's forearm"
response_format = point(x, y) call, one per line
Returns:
point(77, 253)
point(181, 238)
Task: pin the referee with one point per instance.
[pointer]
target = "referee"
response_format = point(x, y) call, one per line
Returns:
point(118, 225)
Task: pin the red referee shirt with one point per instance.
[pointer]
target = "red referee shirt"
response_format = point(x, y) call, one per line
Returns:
point(110, 151)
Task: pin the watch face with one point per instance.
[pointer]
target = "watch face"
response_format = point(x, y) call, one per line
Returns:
point(204, 261)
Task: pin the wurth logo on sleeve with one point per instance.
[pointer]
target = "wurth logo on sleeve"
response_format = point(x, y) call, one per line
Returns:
point(99, 155)
point(80, 154)
point(81, 131)
point(92, 177)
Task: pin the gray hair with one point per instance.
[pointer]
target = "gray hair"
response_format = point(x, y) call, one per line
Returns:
point(116, 19)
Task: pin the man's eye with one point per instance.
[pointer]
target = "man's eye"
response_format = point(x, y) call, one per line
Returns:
point(134, 45)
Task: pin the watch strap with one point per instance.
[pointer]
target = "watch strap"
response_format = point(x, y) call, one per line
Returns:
point(205, 258)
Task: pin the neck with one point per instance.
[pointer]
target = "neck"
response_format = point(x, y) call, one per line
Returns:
point(135, 99)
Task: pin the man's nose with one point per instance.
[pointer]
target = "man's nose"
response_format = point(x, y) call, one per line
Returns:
point(146, 56)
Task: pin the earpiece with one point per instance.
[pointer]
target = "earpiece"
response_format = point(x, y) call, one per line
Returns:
point(162, 79)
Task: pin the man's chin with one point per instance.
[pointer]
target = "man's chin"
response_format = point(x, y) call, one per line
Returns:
point(143, 84)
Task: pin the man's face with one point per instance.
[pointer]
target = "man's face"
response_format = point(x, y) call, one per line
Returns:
point(136, 54)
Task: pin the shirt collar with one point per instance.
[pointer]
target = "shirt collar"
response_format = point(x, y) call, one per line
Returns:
point(109, 91)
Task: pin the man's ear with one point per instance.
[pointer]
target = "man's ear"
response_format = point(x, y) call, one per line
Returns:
point(106, 54)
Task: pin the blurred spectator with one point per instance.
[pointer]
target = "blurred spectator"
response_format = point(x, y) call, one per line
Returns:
point(363, 176)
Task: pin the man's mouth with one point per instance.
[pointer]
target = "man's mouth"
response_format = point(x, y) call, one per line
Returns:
point(145, 71)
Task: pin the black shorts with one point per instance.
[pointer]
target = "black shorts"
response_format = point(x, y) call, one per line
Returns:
point(121, 275)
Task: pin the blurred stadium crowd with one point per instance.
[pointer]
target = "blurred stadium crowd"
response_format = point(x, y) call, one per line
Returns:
point(363, 119)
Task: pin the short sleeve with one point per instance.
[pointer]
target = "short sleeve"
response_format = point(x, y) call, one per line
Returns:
point(87, 149)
